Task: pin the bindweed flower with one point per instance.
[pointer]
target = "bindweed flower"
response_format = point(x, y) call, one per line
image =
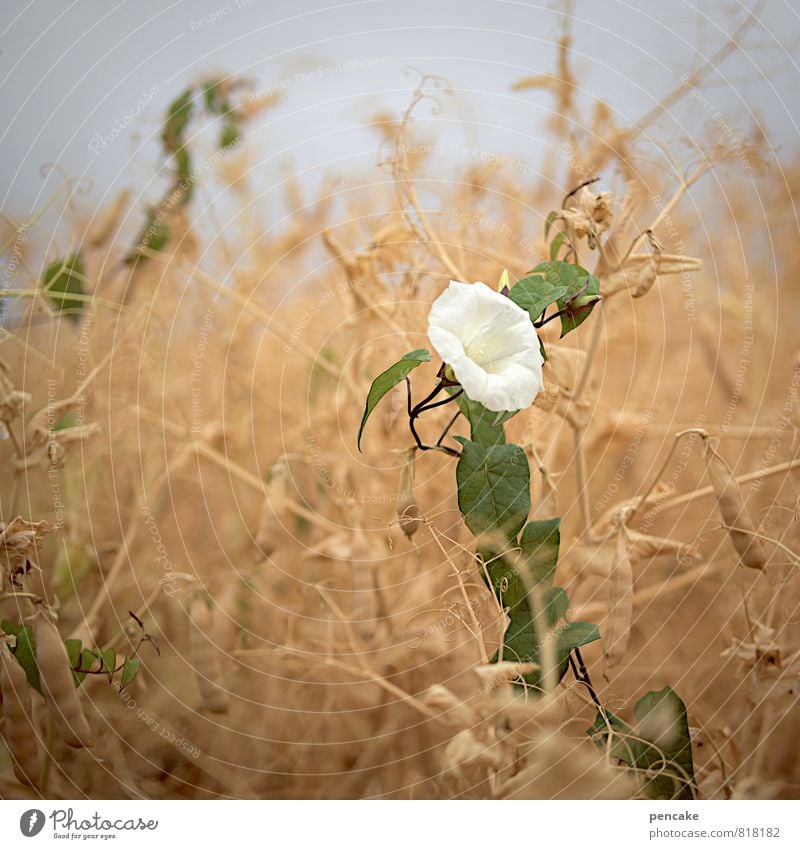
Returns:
point(490, 345)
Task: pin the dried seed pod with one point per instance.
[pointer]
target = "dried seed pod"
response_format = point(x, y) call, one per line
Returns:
point(12, 405)
point(204, 656)
point(106, 223)
point(494, 676)
point(646, 547)
point(19, 542)
point(466, 749)
point(407, 509)
point(410, 519)
point(58, 684)
point(620, 603)
point(734, 515)
point(19, 733)
point(649, 272)
point(455, 711)
point(272, 524)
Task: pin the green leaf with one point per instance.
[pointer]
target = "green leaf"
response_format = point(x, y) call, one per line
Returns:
point(536, 632)
point(574, 635)
point(485, 425)
point(583, 291)
point(154, 237)
point(183, 164)
point(520, 640)
point(25, 651)
point(535, 294)
point(539, 543)
point(555, 245)
point(229, 136)
point(387, 380)
point(109, 659)
point(550, 603)
point(661, 718)
point(179, 113)
point(493, 488)
point(560, 273)
point(659, 750)
point(87, 660)
point(549, 645)
point(76, 654)
point(62, 279)
point(73, 648)
point(214, 97)
point(548, 222)
point(579, 307)
point(130, 667)
point(69, 419)
point(182, 161)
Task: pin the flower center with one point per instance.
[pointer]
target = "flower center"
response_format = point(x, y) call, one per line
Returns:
point(482, 352)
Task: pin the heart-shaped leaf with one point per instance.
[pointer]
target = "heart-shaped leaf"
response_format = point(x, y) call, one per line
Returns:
point(65, 278)
point(536, 632)
point(659, 749)
point(539, 542)
point(581, 295)
point(130, 667)
point(387, 380)
point(535, 294)
point(24, 651)
point(493, 488)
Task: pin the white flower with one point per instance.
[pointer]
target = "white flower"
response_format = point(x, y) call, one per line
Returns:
point(490, 344)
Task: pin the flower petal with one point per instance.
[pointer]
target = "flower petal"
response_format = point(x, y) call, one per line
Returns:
point(490, 344)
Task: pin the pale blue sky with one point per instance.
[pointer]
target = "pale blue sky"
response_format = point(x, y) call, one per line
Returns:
point(69, 71)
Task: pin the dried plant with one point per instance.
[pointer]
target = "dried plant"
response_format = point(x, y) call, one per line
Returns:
point(179, 412)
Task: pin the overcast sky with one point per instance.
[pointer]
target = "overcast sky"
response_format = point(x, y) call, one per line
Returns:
point(73, 72)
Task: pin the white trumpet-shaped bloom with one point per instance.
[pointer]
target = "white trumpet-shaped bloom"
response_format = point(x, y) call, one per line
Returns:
point(490, 345)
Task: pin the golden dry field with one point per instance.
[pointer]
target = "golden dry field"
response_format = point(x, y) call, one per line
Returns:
point(182, 491)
